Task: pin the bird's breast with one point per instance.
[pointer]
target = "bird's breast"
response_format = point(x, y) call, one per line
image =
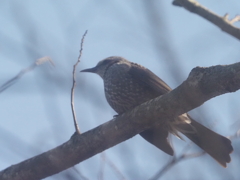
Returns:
point(123, 92)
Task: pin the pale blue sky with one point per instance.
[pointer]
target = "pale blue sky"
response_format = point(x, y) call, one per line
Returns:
point(36, 113)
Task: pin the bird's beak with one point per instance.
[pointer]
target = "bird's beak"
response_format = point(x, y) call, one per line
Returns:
point(92, 70)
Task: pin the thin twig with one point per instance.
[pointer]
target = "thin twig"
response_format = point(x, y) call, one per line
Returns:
point(235, 136)
point(235, 19)
point(81, 176)
point(74, 84)
point(111, 165)
point(24, 71)
point(176, 160)
point(102, 166)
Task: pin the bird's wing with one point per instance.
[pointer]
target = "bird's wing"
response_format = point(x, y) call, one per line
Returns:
point(149, 79)
point(157, 136)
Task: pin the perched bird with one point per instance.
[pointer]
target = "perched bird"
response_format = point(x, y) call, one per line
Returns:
point(128, 85)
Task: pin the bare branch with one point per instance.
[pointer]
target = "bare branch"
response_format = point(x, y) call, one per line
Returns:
point(174, 161)
point(74, 84)
point(102, 167)
point(222, 22)
point(24, 71)
point(201, 85)
point(112, 165)
point(236, 135)
point(82, 177)
point(235, 19)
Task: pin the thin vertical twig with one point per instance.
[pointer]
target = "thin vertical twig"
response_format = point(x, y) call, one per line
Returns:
point(74, 84)
point(102, 166)
point(106, 160)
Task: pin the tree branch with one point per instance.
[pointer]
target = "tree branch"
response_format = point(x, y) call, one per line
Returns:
point(201, 85)
point(222, 22)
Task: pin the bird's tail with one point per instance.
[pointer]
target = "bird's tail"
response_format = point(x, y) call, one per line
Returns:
point(215, 145)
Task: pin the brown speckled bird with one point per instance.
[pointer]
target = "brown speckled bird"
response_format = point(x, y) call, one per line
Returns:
point(128, 85)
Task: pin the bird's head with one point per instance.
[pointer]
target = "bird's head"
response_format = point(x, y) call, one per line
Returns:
point(103, 65)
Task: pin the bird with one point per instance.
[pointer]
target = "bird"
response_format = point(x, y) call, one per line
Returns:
point(128, 84)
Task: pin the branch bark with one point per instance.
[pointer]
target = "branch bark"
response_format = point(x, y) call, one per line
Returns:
point(201, 85)
point(222, 22)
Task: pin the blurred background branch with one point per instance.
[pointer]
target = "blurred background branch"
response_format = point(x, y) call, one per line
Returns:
point(24, 71)
point(185, 156)
point(223, 22)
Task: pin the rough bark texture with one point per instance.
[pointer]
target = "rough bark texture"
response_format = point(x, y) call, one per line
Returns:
point(201, 85)
point(222, 22)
